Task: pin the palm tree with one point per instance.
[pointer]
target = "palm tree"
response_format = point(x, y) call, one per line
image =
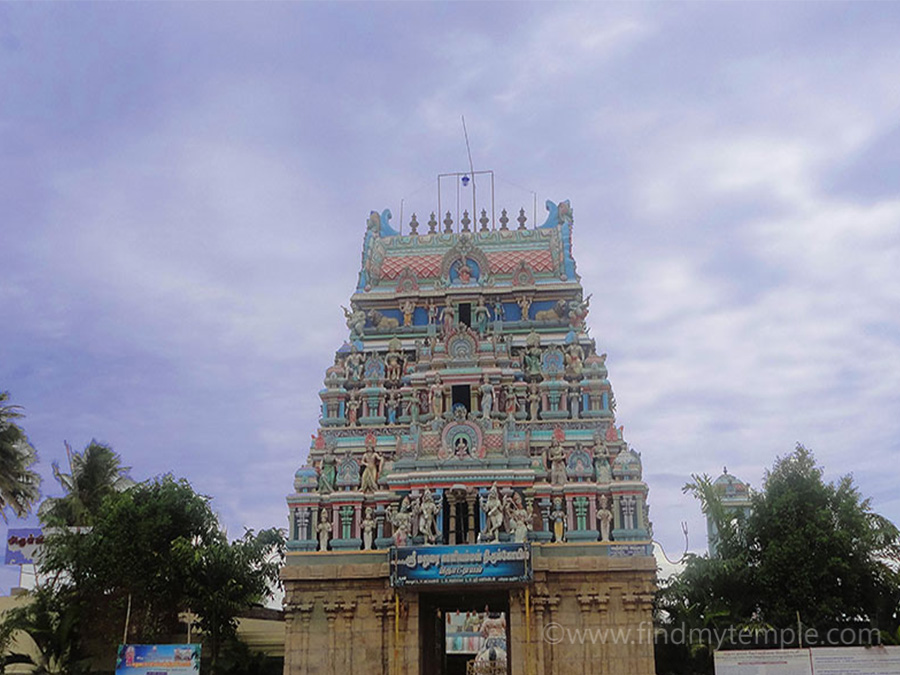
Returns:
point(19, 485)
point(96, 473)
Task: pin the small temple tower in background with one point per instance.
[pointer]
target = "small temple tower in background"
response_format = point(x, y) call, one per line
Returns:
point(468, 485)
point(735, 497)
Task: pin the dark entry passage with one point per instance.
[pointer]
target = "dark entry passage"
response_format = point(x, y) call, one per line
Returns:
point(458, 628)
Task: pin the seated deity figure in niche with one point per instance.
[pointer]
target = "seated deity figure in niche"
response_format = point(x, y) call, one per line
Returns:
point(461, 448)
point(493, 511)
point(604, 516)
point(327, 473)
point(401, 521)
point(464, 272)
point(480, 317)
point(556, 458)
point(371, 462)
point(368, 528)
point(324, 530)
point(427, 510)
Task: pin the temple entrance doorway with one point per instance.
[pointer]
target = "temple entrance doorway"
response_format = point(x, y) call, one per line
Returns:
point(464, 633)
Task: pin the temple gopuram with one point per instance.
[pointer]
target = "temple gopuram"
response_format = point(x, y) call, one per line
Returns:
point(469, 504)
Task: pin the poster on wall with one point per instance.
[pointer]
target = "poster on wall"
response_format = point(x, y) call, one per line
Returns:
point(764, 662)
point(857, 660)
point(158, 660)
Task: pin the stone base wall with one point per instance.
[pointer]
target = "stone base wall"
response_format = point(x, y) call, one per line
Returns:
point(588, 614)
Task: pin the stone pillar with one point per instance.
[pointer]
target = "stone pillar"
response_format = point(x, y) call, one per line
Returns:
point(451, 534)
point(539, 603)
point(381, 607)
point(296, 645)
point(470, 503)
point(552, 605)
point(348, 608)
point(332, 609)
point(585, 602)
point(602, 600)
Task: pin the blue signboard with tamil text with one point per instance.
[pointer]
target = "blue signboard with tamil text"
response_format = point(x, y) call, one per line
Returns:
point(158, 660)
point(463, 564)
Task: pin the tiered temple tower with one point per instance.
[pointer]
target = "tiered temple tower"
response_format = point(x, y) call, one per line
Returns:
point(468, 413)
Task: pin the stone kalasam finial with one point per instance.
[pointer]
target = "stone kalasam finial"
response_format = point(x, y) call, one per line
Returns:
point(448, 224)
point(432, 224)
point(466, 221)
point(522, 219)
point(504, 220)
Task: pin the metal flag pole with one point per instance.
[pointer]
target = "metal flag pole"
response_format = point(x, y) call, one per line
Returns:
point(471, 166)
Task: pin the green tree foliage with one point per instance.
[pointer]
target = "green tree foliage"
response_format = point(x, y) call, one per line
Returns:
point(223, 578)
point(151, 552)
point(19, 485)
point(40, 635)
point(96, 473)
point(818, 549)
point(125, 567)
point(809, 549)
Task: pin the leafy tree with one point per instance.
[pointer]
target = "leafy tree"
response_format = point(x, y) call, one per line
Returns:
point(96, 473)
point(818, 549)
point(19, 485)
point(809, 549)
point(151, 552)
point(123, 570)
point(225, 578)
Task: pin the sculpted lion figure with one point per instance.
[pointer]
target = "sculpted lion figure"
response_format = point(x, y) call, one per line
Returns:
point(381, 321)
point(555, 313)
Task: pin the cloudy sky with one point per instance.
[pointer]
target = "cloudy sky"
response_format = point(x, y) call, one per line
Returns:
point(184, 188)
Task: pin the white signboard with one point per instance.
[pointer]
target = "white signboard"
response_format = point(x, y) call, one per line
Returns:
point(856, 660)
point(764, 662)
